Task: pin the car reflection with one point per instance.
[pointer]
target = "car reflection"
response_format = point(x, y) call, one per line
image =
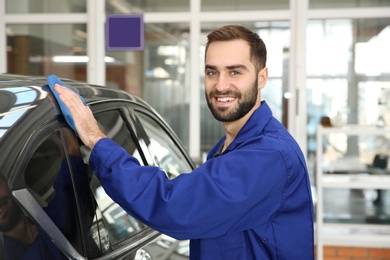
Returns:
point(21, 238)
point(120, 226)
point(18, 103)
point(168, 248)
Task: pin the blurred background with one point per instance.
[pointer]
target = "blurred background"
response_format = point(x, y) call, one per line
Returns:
point(327, 59)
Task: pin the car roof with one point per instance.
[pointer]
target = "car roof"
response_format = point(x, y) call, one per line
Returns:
point(29, 92)
point(26, 106)
point(90, 92)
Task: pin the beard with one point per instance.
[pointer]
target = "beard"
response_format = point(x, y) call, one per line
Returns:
point(246, 101)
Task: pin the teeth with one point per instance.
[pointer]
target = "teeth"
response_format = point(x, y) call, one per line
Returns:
point(226, 99)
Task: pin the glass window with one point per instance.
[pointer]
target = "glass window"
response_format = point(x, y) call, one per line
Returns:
point(276, 36)
point(347, 72)
point(140, 6)
point(118, 224)
point(347, 155)
point(93, 228)
point(113, 125)
point(47, 49)
point(45, 6)
point(163, 149)
point(164, 248)
point(115, 225)
point(346, 3)
point(48, 178)
point(11, 235)
point(169, 158)
point(247, 5)
point(159, 75)
point(54, 175)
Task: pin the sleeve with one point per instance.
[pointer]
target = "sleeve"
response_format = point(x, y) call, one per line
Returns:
point(229, 193)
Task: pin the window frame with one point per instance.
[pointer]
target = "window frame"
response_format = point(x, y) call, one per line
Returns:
point(169, 132)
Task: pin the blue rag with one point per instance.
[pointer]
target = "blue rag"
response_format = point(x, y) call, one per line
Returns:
point(52, 80)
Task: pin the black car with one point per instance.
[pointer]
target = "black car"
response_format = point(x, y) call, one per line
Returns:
point(51, 204)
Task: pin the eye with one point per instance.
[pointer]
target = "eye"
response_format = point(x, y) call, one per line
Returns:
point(234, 72)
point(211, 73)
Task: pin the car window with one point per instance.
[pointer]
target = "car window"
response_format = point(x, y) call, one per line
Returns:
point(48, 178)
point(163, 149)
point(113, 125)
point(59, 180)
point(170, 158)
point(93, 229)
point(119, 224)
point(20, 237)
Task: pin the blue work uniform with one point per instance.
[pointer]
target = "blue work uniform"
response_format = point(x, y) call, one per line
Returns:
point(253, 201)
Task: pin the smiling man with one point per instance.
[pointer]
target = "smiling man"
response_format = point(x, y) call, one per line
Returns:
point(251, 199)
point(233, 80)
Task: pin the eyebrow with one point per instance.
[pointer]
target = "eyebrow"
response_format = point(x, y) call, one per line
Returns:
point(237, 66)
point(230, 67)
point(210, 67)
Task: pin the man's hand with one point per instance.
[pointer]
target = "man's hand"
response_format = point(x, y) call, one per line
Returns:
point(85, 123)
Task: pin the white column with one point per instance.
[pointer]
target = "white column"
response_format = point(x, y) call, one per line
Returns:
point(3, 39)
point(194, 122)
point(320, 204)
point(96, 67)
point(297, 106)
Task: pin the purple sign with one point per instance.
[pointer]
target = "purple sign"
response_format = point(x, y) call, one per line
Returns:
point(124, 32)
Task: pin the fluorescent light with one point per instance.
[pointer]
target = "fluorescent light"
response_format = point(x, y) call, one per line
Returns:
point(78, 59)
point(287, 95)
point(73, 59)
point(109, 59)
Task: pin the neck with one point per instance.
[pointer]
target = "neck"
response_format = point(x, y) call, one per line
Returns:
point(232, 128)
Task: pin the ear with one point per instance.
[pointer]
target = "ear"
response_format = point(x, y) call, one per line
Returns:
point(262, 78)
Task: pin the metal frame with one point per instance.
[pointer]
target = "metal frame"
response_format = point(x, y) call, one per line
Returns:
point(348, 234)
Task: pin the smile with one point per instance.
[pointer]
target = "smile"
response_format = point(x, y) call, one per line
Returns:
point(225, 99)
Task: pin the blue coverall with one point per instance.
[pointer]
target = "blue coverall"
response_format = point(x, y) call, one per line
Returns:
point(253, 201)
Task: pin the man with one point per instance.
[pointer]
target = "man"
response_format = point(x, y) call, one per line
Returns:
point(251, 199)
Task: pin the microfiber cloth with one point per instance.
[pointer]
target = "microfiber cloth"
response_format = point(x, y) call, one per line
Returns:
point(52, 80)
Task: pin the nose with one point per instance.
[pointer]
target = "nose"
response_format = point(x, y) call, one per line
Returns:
point(222, 83)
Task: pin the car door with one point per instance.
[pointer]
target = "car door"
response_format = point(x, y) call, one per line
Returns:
point(63, 199)
point(148, 138)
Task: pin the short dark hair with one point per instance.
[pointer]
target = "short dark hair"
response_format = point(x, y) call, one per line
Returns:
point(258, 50)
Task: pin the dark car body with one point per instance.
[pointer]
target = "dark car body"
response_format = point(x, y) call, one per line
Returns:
point(51, 204)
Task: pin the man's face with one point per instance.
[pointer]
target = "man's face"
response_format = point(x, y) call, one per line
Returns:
point(231, 80)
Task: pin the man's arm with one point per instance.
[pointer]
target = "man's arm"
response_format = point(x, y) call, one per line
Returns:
point(85, 123)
